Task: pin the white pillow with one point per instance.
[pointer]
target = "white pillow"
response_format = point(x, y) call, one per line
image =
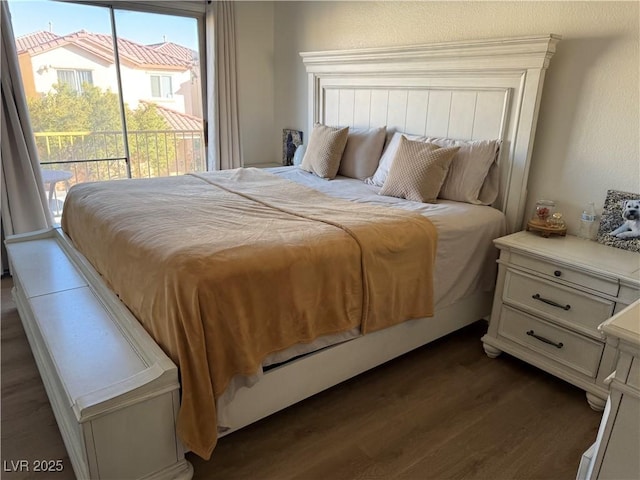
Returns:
point(362, 153)
point(473, 173)
point(388, 155)
point(299, 155)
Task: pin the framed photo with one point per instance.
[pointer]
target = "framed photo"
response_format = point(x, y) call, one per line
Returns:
point(291, 140)
point(612, 221)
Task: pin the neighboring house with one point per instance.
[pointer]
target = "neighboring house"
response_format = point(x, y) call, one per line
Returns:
point(166, 74)
point(190, 91)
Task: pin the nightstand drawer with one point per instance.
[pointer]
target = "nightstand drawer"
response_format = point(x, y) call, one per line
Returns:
point(580, 353)
point(567, 274)
point(568, 306)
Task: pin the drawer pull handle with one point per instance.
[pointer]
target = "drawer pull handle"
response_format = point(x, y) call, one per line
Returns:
point(545, 340)
point(550, 302)
point(557, 273)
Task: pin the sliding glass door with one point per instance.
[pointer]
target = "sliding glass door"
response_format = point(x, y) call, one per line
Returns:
point(112, 93)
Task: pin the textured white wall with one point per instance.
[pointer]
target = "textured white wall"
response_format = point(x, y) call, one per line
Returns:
point(588, 130)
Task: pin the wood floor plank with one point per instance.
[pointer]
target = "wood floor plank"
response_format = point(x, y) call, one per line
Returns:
point(443, 411)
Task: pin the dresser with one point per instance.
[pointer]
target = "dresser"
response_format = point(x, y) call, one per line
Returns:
point(615, 454)
point(551, 295)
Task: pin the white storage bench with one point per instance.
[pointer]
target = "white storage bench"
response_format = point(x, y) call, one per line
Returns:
point(114, 393)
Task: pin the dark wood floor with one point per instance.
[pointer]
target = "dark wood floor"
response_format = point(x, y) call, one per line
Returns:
point(444, 411)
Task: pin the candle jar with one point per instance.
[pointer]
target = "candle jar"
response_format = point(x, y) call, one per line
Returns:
point(556, 221)
point(544, 209)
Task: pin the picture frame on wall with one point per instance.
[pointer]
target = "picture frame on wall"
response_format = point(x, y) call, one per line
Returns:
point(616, 225)
point(291, 140)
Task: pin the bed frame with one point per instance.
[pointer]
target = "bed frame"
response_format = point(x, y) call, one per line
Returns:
point(115, 394)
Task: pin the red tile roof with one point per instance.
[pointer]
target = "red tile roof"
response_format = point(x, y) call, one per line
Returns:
point(34, 39)
point(178, 120)
point(102, 45)
point(176, 50)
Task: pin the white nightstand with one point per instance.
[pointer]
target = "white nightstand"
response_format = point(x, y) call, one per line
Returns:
point(551, 295)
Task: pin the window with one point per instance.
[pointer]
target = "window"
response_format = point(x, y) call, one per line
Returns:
point(161, 86)
point(105, 123)
point(75, 78)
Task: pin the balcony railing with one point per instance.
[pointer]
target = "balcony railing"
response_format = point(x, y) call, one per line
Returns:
point(77, 157)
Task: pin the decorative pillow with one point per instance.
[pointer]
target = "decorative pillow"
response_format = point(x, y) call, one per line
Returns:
point(324, 151)
point(362, 153)
point(418, 171)
point(469, 179)
point(387, 158)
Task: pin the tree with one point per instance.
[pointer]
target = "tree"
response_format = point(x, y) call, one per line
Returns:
point(72, 126)
point(65, 110)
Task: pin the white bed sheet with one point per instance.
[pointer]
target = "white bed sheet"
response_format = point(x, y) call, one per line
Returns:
point(466, 255)
point(465, 258)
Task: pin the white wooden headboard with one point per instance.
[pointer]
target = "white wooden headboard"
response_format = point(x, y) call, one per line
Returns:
point(474, 90)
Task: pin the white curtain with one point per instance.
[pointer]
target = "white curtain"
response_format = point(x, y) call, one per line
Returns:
point(24, 202)
point(224, 127)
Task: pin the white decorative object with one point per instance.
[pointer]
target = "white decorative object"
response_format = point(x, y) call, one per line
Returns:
point(551, 295)
point(116, 406)
point(615, 452)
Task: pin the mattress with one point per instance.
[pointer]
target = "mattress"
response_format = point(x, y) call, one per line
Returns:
point(224, 268)
point(465, 257)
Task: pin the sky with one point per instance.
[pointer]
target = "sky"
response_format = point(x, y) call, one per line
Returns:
point(30, 16)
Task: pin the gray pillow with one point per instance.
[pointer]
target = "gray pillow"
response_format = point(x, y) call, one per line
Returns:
point(473, 175)
point(362, 153)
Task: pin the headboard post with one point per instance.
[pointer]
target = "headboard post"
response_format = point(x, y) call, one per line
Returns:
point(481, 89)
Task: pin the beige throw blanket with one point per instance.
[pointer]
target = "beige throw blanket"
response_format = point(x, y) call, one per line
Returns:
point(224, 268)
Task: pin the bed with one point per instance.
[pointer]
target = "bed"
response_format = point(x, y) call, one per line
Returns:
point(475, 91)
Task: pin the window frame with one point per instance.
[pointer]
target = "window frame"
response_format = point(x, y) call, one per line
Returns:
point(77, 81)
point(162, 89)
point(196, 9)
